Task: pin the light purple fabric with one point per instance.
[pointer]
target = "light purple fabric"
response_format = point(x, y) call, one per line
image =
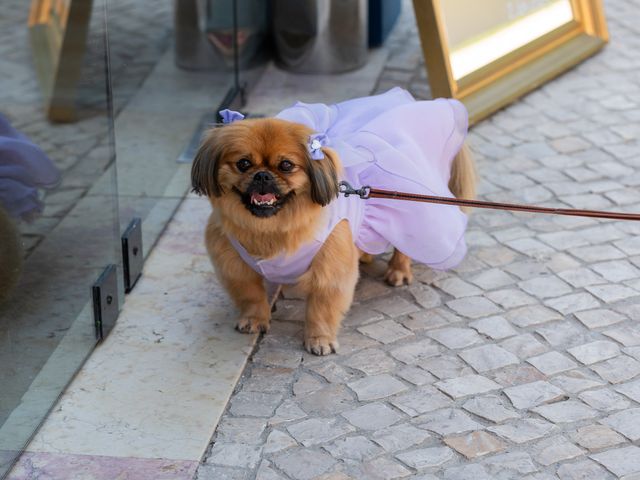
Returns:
point(24, 168)
point(230, 116)
point(393, 142)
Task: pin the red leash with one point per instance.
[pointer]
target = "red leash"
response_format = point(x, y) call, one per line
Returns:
point(369, 192)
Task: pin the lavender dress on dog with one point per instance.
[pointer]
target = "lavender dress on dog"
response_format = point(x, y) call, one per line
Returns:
point(393, 142)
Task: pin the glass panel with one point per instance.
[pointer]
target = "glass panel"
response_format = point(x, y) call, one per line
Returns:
point(481, 32)
point(57, 231)
point(168, 84)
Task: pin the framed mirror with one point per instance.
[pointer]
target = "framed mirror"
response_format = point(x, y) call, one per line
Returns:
point(489, 53)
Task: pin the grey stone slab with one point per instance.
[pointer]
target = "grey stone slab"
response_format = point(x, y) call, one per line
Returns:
point(475, 444)
point(509, 298)
point(597, 437)
point(415, 375)
point(582, 470)
point(604, 399)
point(488, 357)
point(416, 352)
point(421, 400)
point(453, 337)
point(496, 327)
point(304, 464)
point(595, 351)
point(466, 385)
point(386, 331)
point(326, 401)
point(545, 286)
point(628, 335)
point(241, 430)
point(566, 412)
point(372, 416)
point(393, 306)
point(371, 361)
point(235, 455)
point(599, 318)
point(466, 472)
point(555, 449)
point(288, 411)
point(473, 307)
point(255, 404)
point(491, 279)
point(525, 430)
point(424, 320)
point(400, 437)
point(382, 467)
point(532, 315)
point(618, 369)
point(575, 381)
point(572, 303)
point(630, 389)
point(318, 430)
point(447, 421)
point(446, 366)
point(533, 394)
point(612, 293)
point(620, 461)
point(278, 441)
point(490, 407)
point(551, 363)
point(524, 346)
point(457, 288)
point(376, 387)
point(426, 457)
point(626, 422)
point(354, 448)
point(510, 465)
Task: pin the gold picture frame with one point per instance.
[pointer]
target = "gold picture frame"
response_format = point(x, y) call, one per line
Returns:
point(489, 86)
point(58, 31)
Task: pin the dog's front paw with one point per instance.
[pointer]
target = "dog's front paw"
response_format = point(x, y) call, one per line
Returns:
point(321, 345)
point(397, 277)
point(252, 325)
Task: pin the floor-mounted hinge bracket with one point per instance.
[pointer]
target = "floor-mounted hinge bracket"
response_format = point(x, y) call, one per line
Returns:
point(105, 301)
point(132, 254)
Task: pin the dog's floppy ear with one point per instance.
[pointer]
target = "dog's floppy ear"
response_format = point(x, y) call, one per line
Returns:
point(323, 177)
point(204, 171)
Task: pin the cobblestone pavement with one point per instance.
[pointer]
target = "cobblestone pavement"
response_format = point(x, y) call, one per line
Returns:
point(524, 362)
point(140, 31)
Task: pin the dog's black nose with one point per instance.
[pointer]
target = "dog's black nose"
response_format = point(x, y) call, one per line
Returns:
point(263, 177)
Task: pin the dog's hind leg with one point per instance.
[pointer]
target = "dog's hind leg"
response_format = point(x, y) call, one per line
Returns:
point(399, 270)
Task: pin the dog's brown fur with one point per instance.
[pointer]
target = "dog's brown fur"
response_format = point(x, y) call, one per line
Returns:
point(331, 279)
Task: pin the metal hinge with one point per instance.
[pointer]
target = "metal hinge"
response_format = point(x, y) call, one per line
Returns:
point(132, 254)
point(105, 301)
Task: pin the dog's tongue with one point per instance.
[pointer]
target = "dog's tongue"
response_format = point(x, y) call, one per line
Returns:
point(267, 197)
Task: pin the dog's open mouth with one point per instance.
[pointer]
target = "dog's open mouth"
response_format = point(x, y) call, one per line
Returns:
point(264, 200)
point(263, 204)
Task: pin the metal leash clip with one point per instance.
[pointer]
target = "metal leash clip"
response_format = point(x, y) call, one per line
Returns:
point(346, 189)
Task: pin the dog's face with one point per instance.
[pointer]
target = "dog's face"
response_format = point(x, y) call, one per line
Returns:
point(262, 168)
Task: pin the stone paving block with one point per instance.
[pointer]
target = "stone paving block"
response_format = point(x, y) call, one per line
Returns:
point(599, 318)
point(235, 455)
point(596, 437)
point(452, 337)
point(278, 357)
point(415, 375)
point(616, 271)
point(318, 430)
point(467, 385)
point(490, 407)
point(517, 375)
point(524, 345)
point(575, 381)
point(265, 472)
point(372, 416)
point(604, 400)
point(288, 411)
point(326, 401)
point(545, 286)
point(532, 315)
point(582, 470)
point(422, 400)
point(618, 369)
point(466, 472)
point(630, 389)
point(304, 464)
point(241, 430)
point(626, 422)
point(426, 457)
point(612, 293)
point(386, 331)
point(598, 253)
point(491, 279)
point(488, 357)
point(565, 412)
point(580, 277)
point(361, 315)
point(399, 437)
point(524, 430)
point(447, 421)
point(473, 307)
point(476, 444)
point(425, 296)
point(495, 327)
point(572, 303)
point(268, 380)
point(376, 387)
point(382, 468)
point(555, 449)
point(216, 472)
point(633, 352)
point(628, 335)
point(509, 465)
point(563, 334)
point(371, 362)
point(393, 306)
point(620, 461)
point(457, 288)
point(509, 298)
point(355, 448)
point(255, 404)
point(416, 352)
point(278, 441)
point(533, 394)
point(551, 363)
point(595, 351)
point(307, 384)
point(423, 320)
point(446, 366)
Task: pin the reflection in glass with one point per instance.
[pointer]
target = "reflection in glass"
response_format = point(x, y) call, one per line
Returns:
point(482, 32)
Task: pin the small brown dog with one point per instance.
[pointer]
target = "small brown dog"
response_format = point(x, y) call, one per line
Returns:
point(268, 196)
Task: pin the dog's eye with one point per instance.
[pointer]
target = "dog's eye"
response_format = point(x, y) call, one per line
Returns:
point(285, 166)
point(243, 164)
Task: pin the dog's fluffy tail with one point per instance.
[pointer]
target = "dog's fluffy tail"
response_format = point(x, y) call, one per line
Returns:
point(463, 175)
